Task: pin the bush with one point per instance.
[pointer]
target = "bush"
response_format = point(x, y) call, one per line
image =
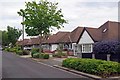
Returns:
point(7, 49)
point(41, 55)
point(59, 55)
point(93, 66)
point(34, 50)
point(26, 52)
point(46, 56)
point(36, 55)
point(13, 49)
point(19, 52)
point(107, 47)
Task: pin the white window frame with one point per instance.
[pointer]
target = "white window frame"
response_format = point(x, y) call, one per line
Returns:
point(84, 50)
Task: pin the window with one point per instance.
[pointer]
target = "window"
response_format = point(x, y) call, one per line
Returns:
point(86, 48)
point(104, 30)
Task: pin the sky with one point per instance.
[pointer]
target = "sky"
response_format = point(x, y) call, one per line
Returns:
point(84, 13)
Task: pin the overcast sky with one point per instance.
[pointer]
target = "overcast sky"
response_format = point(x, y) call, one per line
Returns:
point(84, 13)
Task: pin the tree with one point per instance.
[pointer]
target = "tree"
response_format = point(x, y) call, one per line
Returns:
point(5, 41)
point(107, 47)
point(40, 18)
point(13, 34)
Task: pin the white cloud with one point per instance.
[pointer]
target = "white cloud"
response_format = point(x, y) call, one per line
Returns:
point(78, 12)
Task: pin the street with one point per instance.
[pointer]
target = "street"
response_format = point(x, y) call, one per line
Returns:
point(14, 66)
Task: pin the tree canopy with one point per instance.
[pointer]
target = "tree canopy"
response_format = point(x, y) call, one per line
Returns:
point(10, 36)
point(5, 41)
point(40, 17)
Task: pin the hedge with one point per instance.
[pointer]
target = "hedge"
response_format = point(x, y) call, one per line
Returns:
point(97, 67)
point(41, 55)
point(19, 52)
point(107, 47)
point(34, 50)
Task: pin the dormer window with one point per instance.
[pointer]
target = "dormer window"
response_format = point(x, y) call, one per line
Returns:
point(104, 30)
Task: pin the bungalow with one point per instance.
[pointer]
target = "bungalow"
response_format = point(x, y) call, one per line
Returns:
point(107, 31)
point(53, 41)
point(80, 40)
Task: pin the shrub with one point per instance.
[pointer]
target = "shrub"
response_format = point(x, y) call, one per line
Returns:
point(107, 47)
point(36, 55)
point(19, 52)
point(34, 50)
point(12, 50)
point(44, 56)
point(41, 55)
point(7, 49)
point(26, 52)
point(93, 66)
point(58, 54)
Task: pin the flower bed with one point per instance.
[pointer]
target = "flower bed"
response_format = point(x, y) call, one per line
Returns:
point(92, 66)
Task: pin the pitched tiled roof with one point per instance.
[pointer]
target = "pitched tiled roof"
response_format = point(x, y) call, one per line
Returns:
point(65, 38)
point(97, 34)
point(25, 42)
point(94, 33)
point(76, 33)
point(30, 41)
point(55, 38)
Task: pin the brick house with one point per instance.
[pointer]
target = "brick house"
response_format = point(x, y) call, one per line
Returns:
point(80, 40)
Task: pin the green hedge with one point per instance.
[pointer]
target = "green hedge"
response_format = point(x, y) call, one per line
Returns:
point(34, 50)
point(19, 52)
point(26, 52)
point(13, 49)
point(41, 55)
point(93, 66)
point(59, 55)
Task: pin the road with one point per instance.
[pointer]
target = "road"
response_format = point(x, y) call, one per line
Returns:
point(16, 67)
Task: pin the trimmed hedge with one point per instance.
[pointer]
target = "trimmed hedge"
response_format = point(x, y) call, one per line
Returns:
point(93, 66)
point(26, 52)
point(19, 52)
point(59, 55)
point(41, 55)
point(34, 50)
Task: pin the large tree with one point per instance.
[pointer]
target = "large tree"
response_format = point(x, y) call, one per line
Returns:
point(13, 34)
point(40, 18)
point(10, 36)
point(5, 41)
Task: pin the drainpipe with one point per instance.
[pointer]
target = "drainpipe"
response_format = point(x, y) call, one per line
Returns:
point(108, 57)
point(93, 56)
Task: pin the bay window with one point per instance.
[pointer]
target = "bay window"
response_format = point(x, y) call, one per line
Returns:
point(87, 48)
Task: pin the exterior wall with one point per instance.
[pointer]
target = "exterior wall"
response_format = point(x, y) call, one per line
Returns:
point(35, 46)
point(74, 48)
point(28, 47)
point(54, 47)
point(85, 39)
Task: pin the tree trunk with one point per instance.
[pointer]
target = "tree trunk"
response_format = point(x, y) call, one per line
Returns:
point(40, 44)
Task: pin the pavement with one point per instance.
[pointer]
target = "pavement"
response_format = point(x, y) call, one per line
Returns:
point(18, 67)
point(52, 61)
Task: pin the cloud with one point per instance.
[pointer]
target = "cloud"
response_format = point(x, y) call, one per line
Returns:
point(84, 13)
